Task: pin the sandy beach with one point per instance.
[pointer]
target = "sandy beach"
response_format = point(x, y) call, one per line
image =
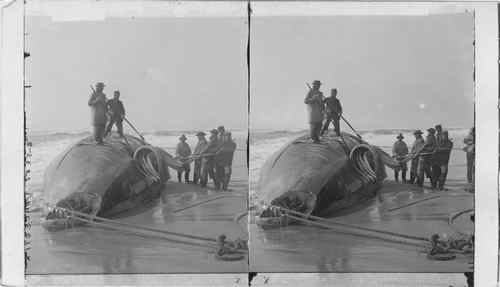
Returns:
point(182, 208)
point(398, 207)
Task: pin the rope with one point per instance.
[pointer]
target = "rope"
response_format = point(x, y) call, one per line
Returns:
point(358, 233)
point(115, 222)
point(425, 241)
point(142, 234)
point(408, 236)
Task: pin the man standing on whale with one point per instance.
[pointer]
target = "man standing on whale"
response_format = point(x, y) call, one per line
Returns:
point(333, 112)
point(117, 113)
point(98, 109)
point(314, 102)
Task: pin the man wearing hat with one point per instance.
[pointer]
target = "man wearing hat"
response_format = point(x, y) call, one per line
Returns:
point(208, 158)
point(221, 131)
point(314, 102)
point(399, 152)
point(117, 112)
point(333, 111)
point(418, 144)
point(218, 166)
point(182, 153)
point(439, 131)
point(98, 109)
point(424, 161)
point(225, 160)
point(441, 158)
point(469, 148)
point(200, 145)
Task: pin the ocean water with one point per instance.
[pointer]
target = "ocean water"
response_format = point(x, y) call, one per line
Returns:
point(47, 145)
point(263, 143)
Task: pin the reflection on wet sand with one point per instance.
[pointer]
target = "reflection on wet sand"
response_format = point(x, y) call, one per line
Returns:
point(302, 248)
point(186, 209)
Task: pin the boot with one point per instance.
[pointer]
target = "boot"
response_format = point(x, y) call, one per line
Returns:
point(442, 180)
point(403, 175)
point(179, 176)
point(396, 175)
point(227, 177)
point(186, 177)
point(412, 178)
point(195, 178)
point(216, 183)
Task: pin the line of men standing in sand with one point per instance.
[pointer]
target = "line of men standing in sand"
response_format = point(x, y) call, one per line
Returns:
point(430, 157)
point(212, 158)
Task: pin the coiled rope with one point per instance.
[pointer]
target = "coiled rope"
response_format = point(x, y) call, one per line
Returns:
point(152, 164)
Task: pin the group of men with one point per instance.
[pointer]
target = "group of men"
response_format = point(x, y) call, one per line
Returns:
point(212, 158)
point(101, 109)
point(320, 108)
point(430, 157)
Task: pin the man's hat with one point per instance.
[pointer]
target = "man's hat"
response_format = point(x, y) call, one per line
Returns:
point(183, 137)
point(100, 84)
point(417, 132)
point(200, 134)
point(400, 136)
point(431, 130)
point(438, 127)
point(221, 128)
point(214, 132)
point(228, 134)
point(316, 82)
point(444, 133)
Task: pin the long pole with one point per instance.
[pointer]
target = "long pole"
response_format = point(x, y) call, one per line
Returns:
point(350, 126)
point(125, 120)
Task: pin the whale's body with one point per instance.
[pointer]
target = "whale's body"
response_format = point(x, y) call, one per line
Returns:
point(320, 178)
point(102, 180)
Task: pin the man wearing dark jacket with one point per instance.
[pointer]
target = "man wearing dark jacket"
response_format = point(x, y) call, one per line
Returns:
point(117, 112)
point(333, 112)
point(98, 109)
point(424, 161)
point(225, 158)
point(441, 158)
point(208, 157)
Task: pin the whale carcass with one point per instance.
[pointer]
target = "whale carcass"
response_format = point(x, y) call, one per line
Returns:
point(319, 178)
point(103, 180)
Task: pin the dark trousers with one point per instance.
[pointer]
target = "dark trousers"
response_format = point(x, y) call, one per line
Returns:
point(314, 130)
point(436, 171)
point(99, 132)
point(470, 167)
point(336, 124)
point(187, 169)
point(403, 167)
point(227, 176)
point(196, 171)
point(119, 125)
point(207, 169)
point(425, 169)
point(219, 174)
point(413, 169)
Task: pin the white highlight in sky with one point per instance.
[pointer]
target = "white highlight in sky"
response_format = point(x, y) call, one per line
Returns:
point(422, 106)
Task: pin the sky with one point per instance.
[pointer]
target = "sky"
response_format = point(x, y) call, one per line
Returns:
point(390, 71)
point(173, 73)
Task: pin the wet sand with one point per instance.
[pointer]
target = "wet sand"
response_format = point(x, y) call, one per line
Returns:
point(302, 248)
point(183, 208)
